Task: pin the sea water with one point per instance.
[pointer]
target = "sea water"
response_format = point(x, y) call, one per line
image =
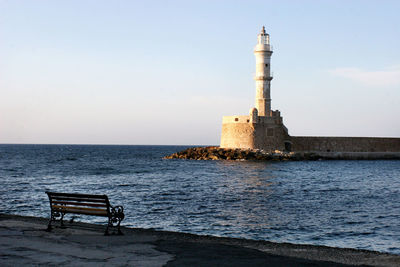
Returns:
point(335, 203)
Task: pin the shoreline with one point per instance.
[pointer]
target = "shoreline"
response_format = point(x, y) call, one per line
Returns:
point(24, 241)
point(217, 153)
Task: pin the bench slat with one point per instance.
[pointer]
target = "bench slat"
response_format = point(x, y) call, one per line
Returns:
point(76, 208)
point(79, 203)
point(76, 195)
point(103, 214)
point(78, 199)
point(89, 211)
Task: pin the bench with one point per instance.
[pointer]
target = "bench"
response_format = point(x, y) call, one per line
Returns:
point(93, 205)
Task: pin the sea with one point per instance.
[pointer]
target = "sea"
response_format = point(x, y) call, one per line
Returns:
point(352, 204)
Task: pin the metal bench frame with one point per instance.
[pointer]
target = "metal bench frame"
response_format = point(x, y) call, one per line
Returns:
point(92, 205)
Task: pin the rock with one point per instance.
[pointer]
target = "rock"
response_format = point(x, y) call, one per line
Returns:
point(217, 153)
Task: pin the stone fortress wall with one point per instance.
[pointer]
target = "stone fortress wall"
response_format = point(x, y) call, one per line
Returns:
point(344, 144)
point(237, 135)
point(263, 128)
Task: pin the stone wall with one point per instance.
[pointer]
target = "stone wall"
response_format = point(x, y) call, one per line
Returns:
point(237, 135)
point(344, 144)
point(270, 137)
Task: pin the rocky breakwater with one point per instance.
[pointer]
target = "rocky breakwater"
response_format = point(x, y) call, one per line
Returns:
point(217, 153)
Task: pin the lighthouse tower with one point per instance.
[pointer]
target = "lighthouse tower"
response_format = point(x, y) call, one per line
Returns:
point(263, 77)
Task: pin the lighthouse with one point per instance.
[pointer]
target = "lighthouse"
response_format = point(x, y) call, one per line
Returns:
point(263, 77)
point(263, 128)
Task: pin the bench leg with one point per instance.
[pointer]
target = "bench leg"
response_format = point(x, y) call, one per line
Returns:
point(61, 220)
point(52, 218)
point(119, 229)
point(111, 223)
point(108, 225)
point(49, 225)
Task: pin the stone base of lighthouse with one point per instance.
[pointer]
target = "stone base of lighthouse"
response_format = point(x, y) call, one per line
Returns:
point(255, 132)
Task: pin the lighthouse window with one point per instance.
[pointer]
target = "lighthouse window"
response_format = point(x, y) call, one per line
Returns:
point(266, 65)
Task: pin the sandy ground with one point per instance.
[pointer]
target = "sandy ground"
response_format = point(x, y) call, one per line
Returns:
point(24, 241)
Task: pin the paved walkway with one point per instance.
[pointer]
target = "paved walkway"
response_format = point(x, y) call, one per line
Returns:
point(23, 241)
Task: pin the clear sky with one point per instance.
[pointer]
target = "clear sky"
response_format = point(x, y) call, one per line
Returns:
point(165, 72)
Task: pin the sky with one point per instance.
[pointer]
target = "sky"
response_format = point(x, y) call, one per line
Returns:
point(165, 72)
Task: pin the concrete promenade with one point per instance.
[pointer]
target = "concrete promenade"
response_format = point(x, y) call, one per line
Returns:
point(23, 242)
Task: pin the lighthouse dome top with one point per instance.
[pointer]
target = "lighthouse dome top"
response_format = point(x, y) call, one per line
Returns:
point(263, 43)
point(263, 38)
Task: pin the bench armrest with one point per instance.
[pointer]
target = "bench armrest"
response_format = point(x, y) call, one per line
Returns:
point(117, 212)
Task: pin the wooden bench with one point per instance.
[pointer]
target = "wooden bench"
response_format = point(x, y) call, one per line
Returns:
point(93, 205)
